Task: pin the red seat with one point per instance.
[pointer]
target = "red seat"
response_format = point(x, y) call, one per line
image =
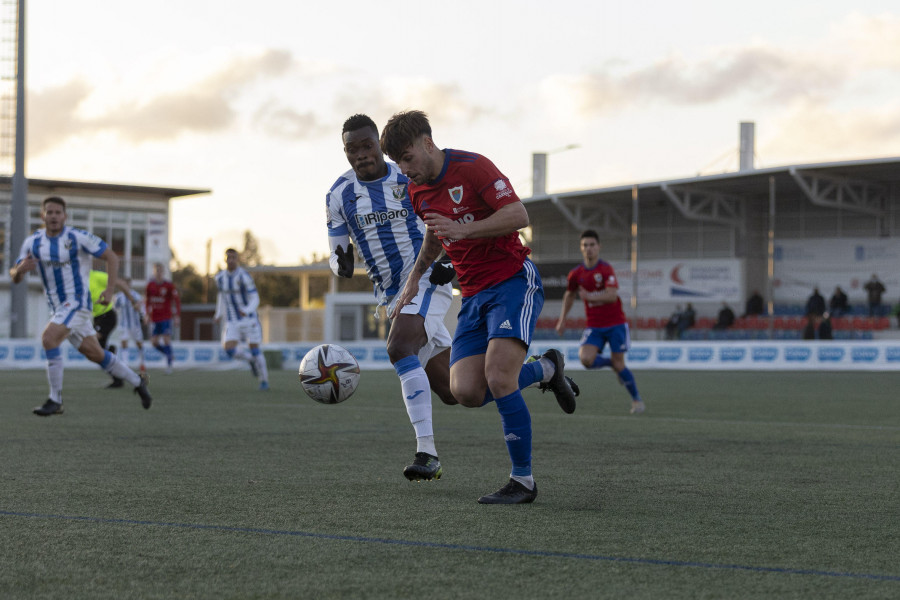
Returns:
point(862, 323)
point(756, 322)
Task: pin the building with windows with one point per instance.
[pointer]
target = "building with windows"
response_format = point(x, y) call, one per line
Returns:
point(132, 219)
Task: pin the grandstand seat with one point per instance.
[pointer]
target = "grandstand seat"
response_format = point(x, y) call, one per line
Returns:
point(862, 323)
point(840, 324)
point(757, 322)
point(546, 323)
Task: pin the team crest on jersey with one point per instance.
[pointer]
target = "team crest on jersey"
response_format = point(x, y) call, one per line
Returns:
point(67, 244)
point(456, 194)
point(399, 191)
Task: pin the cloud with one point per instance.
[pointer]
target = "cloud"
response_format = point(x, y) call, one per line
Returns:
point(356, 93)
point(206, 106)
point(51, 116)
point(857, 47)
point(873, 40)
point(768, 73)
point(815, 131)
point(285, 122)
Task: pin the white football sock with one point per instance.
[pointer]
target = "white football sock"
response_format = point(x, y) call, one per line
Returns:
point(417, 398)
point(526, 480)
point(55, 378)
point(549, 370)
point(261, 366)
point(426, 444)
point(119, 369)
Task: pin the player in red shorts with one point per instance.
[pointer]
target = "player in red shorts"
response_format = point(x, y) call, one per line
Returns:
point(595, 283)
point(161, 296)
point(472, 212)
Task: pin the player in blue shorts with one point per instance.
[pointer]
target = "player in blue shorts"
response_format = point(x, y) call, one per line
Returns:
point(594, 281)
point(472, 212)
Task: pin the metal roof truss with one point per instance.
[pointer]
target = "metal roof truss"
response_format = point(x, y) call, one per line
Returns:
point(847, 194)
point(604, 218)
point(701, 205)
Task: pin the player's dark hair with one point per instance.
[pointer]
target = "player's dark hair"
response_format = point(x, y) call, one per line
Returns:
point(589, 233)
point(53, 200)
point(402, 130)
point(232, 250)
point(357, 122)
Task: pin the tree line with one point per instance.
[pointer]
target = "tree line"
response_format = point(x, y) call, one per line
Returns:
point(275, 289)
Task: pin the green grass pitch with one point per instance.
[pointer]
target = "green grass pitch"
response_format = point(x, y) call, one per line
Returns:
point(732, 485)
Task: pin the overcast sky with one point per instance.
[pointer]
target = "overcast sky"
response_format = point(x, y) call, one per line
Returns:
point(249, 100)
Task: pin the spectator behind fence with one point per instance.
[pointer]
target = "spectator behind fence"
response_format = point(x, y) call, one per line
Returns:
point(874, 288)
point(838, 304)
point(672, 325)
point(815, 305)
point(688, 318)
point(818, 327)
point(725, 318)
point(755, 305)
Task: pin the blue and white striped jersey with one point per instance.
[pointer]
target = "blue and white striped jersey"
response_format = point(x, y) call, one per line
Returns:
point(128, 316)
point(379, 218)
point(64, 263)
point(237, 293)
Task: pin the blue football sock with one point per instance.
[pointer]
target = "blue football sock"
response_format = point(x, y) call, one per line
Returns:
point(600, 362)
point(516, 422)
point(530, 374)
point(628, 380)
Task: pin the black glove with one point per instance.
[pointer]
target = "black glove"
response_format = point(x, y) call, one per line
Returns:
point(345, 260)
point(442, 271)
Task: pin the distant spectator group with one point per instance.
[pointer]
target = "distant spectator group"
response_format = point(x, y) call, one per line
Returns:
point(679, 321)
point(816, 324)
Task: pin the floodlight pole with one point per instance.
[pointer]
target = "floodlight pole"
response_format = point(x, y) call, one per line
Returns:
point(19, 213)
point(635, 216)
point(770, 260)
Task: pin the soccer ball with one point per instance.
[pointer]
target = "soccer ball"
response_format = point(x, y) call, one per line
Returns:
point(329, 374)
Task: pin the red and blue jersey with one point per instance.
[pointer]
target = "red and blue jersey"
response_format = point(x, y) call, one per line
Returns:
point(470, 188)
point(595, 279)
point(160, 298)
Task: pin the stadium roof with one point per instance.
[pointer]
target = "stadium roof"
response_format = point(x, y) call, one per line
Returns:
point(170, 192)
point(859, 185)
point(883, 171)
